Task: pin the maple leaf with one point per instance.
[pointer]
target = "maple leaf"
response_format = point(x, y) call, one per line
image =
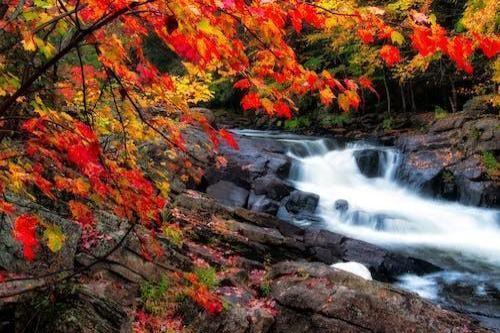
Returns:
point(242, 84)
point(81, 213)
point(489, 45)
point(251, 101)
point(24, 232)
point(229, 138)
point(390, 55)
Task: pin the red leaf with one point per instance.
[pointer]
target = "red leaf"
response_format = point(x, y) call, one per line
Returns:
point(229, 139)
point(489, 46)
point(81, 213)
point(282, 110)
point(366, 36)
point(390, 55)
point(251, 101)
point(242, 84)
point(24, 232)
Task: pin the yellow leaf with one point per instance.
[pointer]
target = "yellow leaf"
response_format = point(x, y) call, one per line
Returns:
point(397, 38)
point(326, 96)
point(344, 103)
point(55, 238)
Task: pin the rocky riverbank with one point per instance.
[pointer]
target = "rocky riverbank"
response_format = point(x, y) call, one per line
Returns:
point(272, 277)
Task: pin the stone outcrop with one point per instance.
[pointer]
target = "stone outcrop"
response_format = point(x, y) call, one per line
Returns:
point(448, 161)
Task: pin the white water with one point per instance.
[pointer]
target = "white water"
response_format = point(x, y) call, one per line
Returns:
point(383, 212)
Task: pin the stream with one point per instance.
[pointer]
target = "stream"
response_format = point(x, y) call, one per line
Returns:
point(463, 240)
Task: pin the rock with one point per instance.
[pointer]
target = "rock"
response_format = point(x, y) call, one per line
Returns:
point(262, 204)
point(296, 242)
point(228, 194)
point(313, 297)
point(370, 162)
point(272, 187)
point(341, 205)
point(384, 265)
point(354, 268)
point(255, 158)
point(302, 202)
point(81, 311)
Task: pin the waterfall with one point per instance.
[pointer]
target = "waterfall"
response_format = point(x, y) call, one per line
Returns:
point(383, 212)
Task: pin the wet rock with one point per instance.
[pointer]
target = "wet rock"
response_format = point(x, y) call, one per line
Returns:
point(302, 202)
point(272, 187)
point(341, 205)
point(228, 194)
point(370, 162)
point(384, 265)
point(262, 204)
point(447, 161)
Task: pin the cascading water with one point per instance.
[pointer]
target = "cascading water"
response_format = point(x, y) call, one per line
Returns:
point(384, 212)
point(464, 241)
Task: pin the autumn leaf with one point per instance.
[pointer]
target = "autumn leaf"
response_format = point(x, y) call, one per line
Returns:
point(81, 213)
point(54, 237)
point(390, 55)
point(251, 101)
point(229, 138)
point(24, 231)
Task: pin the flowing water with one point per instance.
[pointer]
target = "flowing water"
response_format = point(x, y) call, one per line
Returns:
point(464, 241)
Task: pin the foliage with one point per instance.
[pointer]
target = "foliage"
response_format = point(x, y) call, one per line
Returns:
point(153, 294)
point(388, 123)
point(83, 90)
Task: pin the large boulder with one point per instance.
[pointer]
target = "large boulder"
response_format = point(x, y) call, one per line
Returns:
point(272, 187)
point(312, 297)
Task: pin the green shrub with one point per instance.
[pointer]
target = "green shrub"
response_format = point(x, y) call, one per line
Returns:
point(490, 162)
point(207, 276)
point(173, 234)
point(388, 123)
point(440, 113)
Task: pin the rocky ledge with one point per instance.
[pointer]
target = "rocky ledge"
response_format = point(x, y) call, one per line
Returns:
point(450, 161)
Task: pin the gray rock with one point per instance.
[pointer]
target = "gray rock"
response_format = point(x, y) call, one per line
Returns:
point(11, 256)
point(228, 194)
point(272, 187)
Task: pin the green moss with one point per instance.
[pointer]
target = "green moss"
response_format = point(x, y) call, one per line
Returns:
point(388, 124)
point(265, 289)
